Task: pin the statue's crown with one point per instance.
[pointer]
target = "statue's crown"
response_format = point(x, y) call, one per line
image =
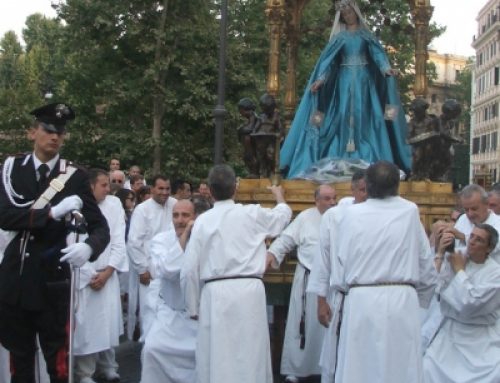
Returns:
point(343, 4)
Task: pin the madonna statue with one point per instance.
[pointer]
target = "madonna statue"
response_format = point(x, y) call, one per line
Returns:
point(351, 107)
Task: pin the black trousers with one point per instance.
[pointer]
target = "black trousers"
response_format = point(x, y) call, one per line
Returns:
point(18, 330)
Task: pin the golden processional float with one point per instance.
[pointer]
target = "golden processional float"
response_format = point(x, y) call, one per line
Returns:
point(284, 16)
point(435, 200)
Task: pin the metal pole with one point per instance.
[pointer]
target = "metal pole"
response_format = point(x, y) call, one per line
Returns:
point(220, 110)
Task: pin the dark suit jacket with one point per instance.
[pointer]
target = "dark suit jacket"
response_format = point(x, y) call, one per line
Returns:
point(42, 269)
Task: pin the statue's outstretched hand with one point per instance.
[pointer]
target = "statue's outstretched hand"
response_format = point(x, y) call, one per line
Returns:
point(392, 72)
point(316, 85)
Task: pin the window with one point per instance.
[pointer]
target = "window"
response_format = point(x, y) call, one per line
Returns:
point(475, 145)
point(497, 75)
point(434, 98)
point(494, 140)
point(483, 144)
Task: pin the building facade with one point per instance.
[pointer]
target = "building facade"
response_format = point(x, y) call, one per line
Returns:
point(485, 122)
point(448, 67)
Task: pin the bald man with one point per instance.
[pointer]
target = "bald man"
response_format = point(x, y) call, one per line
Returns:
point(303, 333)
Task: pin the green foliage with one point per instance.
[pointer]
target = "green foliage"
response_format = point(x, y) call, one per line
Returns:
point(112, 60)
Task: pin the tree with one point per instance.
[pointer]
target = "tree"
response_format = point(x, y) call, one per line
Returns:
point(129, 67)
point(16, 91)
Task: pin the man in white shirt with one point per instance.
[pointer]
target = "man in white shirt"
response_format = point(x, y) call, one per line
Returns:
point(358, 189)
point(168, 355)
point(225, 261)
point(467, 345)
point(99, 322)
point(133, 171)
point(494, 199)
point(148, 219)
point(303, 334)
point(381, 267)
point(474, 200)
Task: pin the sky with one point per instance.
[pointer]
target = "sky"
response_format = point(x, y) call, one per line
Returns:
point(458, 15)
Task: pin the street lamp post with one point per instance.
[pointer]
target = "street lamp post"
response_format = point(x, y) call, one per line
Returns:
point(220, 111)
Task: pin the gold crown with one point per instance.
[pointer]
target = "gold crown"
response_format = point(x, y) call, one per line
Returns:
point(343, 4)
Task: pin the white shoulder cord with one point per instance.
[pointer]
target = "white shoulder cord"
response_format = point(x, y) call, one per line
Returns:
point(9, 190)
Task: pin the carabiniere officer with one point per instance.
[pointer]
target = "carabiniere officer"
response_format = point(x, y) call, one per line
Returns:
point(35, 271)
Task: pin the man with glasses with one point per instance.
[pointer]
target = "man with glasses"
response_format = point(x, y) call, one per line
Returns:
point(474, 200)
point(117, 177)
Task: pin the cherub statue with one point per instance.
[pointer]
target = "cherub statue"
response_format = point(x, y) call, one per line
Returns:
point(267, 130)
point(441, 168)
point(431, 138)
point(247, 108)
point(423, 134)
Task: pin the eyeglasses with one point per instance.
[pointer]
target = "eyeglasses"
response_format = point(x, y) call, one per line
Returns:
point(117, 181)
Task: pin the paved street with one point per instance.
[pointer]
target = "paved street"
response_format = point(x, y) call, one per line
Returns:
point(128, 357)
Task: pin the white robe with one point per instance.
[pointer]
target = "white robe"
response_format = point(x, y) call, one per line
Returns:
point(376, 242)
point(168, 355)
point(4, 365)
point(99, 321)
point(319, 284)
point(148, 219)
point(432, 317)
point(467, 347)
point(233, 335)
point(465, 226)
point(303, 234)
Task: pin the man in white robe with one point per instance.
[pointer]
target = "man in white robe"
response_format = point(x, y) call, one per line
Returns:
point(474, 200)
point(303, 333)
point(148, 219)
point(382, 265)
point(467, 345)
point(98, 318)
point(225, 260)
point(319, 282)
point(168, 355)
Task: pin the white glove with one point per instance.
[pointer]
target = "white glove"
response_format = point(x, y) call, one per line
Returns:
point(76, 254)
point(67, 205)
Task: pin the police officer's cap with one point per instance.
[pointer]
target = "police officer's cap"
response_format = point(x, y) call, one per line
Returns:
point(53, 117)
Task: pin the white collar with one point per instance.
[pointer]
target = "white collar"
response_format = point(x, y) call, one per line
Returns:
point(51, 164)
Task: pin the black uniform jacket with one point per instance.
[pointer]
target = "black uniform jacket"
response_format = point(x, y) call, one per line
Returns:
point(42, 270)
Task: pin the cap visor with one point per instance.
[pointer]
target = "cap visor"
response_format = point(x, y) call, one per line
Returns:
point(50, 128)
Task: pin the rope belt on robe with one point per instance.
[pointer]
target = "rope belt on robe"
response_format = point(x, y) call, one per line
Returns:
point(302, 323)
point(379, 284)
point(216, 279)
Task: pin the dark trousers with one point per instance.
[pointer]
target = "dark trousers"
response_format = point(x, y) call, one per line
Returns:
point(18, 330)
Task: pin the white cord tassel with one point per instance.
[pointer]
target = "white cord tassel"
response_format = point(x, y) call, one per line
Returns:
point(9, 190)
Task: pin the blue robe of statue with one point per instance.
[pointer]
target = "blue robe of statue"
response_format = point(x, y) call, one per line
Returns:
point(352, 102)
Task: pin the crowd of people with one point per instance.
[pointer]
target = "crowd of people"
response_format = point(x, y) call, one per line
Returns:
point(375, 298)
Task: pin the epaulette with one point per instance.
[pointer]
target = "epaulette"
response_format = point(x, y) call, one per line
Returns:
point(19, 155)
point(78, 166)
